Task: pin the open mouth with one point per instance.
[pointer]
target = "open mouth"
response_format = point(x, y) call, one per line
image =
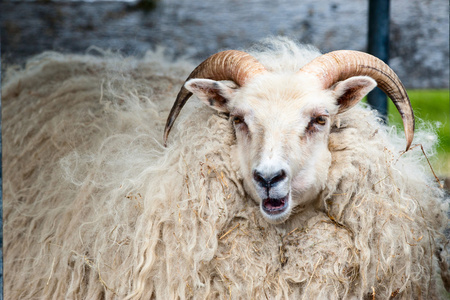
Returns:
point(275, 206)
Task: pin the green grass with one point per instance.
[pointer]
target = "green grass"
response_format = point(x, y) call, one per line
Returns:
point(431, 105)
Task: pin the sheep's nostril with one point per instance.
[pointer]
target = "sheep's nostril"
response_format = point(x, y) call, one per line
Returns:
point(269, 180)
point(278, 177)
point(258, 177)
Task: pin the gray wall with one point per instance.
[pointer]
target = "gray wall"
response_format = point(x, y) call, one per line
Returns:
point(419, 29)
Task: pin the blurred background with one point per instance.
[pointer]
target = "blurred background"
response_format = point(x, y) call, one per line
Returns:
point(418, 37)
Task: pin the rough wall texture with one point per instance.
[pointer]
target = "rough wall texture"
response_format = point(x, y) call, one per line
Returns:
point(419, 29)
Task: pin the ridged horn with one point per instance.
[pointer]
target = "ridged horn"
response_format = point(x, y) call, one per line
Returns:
point(336, 66)
point(232, 65)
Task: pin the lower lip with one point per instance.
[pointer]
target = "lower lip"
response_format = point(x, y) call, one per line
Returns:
point(269, 209)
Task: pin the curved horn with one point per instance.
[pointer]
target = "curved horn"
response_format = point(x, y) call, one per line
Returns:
point(232, 65)
point(340, 65)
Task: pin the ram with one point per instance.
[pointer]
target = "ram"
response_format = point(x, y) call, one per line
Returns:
point(281, 186)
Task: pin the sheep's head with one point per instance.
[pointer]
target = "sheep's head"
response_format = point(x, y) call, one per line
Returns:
point(282, 121)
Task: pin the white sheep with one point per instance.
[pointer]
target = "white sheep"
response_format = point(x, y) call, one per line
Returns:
point(292, 191)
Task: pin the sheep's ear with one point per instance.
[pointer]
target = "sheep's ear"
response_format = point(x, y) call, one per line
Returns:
point(215, 94)
point(349, 92)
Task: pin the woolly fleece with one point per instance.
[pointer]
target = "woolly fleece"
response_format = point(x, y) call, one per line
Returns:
point(96, 208)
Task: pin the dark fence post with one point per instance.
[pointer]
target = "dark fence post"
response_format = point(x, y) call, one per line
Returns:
point(378, 45)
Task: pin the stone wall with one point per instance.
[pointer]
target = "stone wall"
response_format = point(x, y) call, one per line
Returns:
point(419, 29)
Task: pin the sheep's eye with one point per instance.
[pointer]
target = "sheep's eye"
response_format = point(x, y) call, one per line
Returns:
point(239, 124)
point(321, 120)
point(237, 120)
point(315, 123)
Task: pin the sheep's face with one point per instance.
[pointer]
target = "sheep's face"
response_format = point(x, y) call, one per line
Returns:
point(282, 124)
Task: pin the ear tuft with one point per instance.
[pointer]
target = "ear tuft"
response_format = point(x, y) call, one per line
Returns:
point(213, 93)
point(349, 92)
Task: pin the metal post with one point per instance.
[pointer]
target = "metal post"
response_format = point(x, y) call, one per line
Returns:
point(378, 40)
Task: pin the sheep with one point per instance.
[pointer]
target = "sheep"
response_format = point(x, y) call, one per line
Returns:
point(97, 207)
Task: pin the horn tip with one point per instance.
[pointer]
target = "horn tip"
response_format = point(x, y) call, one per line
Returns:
point(408, 145)
point(409, 139)
point(409, 124)
point(166, 136)
point(165, 141)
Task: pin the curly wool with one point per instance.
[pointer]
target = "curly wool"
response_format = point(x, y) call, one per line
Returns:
point(96, 208)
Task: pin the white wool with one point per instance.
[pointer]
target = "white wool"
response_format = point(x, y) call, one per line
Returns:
point(281, 54)
point(95, 207)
